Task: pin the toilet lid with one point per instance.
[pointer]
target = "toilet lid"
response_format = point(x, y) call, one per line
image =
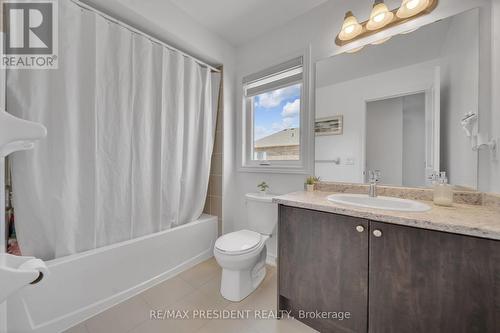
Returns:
point(238, 242)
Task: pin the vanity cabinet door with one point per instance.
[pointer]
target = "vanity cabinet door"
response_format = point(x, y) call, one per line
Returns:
point(428, 281)
point(323, 266)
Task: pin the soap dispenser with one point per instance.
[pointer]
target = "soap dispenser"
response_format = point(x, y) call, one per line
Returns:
point(443, 192)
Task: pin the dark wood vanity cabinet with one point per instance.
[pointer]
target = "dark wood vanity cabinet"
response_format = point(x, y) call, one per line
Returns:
point(432, 282)
point(323, 266)
point(390, 278)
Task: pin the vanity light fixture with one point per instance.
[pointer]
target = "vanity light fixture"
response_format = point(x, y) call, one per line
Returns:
point(382, 18)
point(351, 27)
point(411, 8)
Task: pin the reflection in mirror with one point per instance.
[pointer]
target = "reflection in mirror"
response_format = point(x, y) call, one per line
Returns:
point(399, 151)
point(400, 107)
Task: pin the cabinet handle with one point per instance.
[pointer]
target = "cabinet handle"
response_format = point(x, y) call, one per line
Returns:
point(377, 233)
point(360, 228)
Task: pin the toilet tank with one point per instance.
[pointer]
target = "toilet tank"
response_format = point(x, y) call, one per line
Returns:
point(262, 213)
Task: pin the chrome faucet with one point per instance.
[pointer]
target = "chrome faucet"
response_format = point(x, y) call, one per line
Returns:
point(374, 177)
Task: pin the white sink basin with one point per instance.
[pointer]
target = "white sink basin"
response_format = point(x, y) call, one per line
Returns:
point(386, 203)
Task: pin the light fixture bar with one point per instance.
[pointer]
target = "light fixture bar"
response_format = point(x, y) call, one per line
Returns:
point(395, 22)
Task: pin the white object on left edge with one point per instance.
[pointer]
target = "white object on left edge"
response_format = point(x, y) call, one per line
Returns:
point(16, 272)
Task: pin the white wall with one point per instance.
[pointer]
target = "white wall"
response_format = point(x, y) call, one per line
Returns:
point(459, 95)
point(316, 29)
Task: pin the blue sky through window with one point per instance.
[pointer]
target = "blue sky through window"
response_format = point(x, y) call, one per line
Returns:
point(276, 110)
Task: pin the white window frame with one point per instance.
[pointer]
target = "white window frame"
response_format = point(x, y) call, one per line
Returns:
point(303, 165)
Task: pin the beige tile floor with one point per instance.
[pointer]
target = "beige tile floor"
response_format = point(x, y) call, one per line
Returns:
point(196, 288)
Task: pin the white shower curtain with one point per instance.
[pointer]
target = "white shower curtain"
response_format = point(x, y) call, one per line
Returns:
point(131, 127)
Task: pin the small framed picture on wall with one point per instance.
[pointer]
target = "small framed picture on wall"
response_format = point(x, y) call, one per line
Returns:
point(329, 126)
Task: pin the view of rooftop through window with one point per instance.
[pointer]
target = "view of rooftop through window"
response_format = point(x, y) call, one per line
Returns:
point(276, 117)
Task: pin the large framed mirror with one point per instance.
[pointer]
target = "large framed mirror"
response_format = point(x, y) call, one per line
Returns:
point(398, 107)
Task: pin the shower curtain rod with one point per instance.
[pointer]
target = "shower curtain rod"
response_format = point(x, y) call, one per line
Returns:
point(142, 33)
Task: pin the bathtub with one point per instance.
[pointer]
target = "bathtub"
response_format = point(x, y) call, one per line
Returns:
point(85, 284)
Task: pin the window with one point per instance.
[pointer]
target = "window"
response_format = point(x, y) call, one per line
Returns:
point(274, 118)
point(276, 124)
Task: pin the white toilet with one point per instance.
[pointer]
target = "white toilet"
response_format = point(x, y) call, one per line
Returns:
point(242, 254)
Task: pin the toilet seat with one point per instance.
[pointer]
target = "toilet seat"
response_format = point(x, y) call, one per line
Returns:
point(239, 242)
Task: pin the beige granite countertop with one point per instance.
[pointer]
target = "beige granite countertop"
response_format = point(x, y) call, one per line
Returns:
point(471, 220)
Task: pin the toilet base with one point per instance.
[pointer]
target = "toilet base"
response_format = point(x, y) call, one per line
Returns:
point(236, 285)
